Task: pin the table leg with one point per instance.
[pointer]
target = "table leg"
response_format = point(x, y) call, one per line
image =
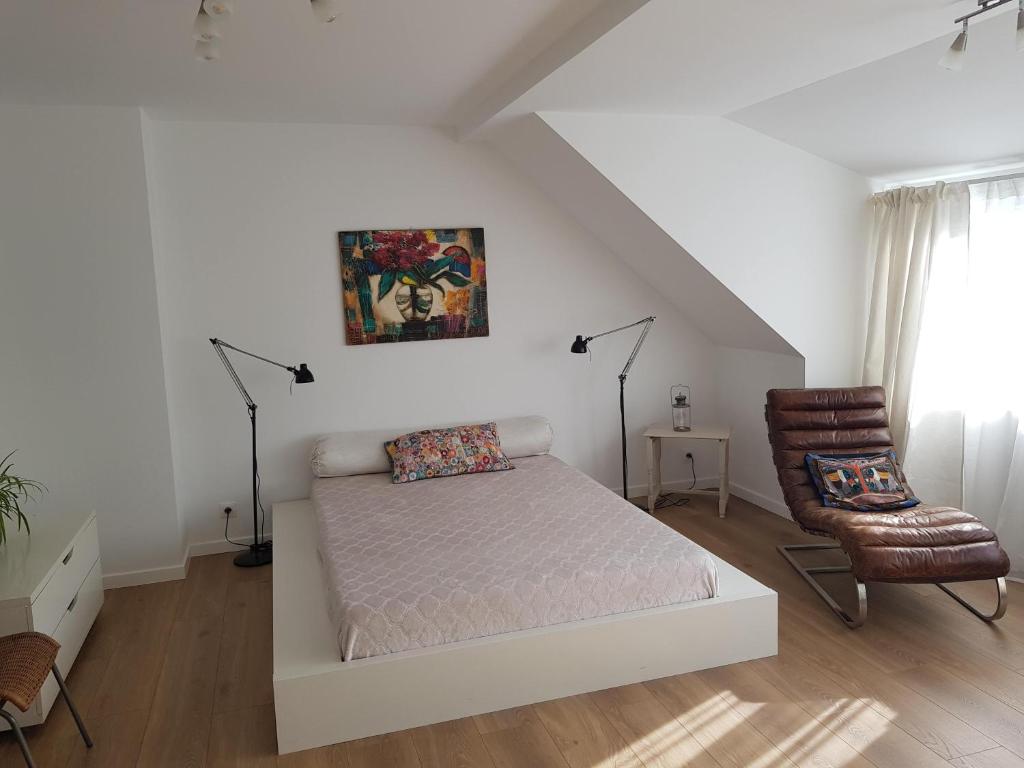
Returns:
point(651, 501)
point(723, 476)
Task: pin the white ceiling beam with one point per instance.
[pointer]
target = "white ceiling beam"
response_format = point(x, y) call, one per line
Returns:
point(598, 23)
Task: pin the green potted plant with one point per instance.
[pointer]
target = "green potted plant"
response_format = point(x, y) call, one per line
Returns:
point(14, 491)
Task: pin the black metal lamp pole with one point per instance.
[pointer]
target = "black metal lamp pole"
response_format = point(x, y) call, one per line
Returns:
point(260, 552)
point(579, 346)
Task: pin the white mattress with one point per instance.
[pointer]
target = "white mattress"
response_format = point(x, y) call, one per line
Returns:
point(439, 561)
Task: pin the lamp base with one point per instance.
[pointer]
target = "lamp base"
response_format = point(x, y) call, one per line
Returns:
point(256, 555)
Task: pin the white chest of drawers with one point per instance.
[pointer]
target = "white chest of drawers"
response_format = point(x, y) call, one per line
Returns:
point(50, 582)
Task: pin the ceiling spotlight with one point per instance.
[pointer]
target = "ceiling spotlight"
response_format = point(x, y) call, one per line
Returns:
point(327, 10)
point(217, 7)
point(954, 58)
point(207, 50)
point(205, 29)
point(1020, 27)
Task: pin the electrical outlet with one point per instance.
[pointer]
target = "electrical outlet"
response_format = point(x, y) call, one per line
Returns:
point(227, 508)
point(689, 455)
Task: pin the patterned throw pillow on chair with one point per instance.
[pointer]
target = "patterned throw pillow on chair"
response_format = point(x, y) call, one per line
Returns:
point(446, 452)
point(859, 481)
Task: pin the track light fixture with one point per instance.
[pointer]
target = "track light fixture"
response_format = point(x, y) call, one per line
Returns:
point(324, 10)
point(957, 53)
point(206, 28)
point(207, 32)
point(218, 7)
point(207, 50)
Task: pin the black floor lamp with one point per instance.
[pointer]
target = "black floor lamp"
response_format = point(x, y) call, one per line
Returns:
point(580, 346)
point(260, 552)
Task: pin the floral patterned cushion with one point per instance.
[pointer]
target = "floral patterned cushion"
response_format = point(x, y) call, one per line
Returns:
point(445, 452)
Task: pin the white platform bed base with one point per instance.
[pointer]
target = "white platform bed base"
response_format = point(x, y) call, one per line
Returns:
point(321, 700)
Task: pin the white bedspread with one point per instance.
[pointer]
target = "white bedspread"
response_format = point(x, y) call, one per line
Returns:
point(438, 561)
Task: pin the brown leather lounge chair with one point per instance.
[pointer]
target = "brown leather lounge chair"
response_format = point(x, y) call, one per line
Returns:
point(918, 545)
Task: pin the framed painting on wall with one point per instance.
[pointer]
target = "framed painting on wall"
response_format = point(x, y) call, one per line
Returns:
point(413, 284)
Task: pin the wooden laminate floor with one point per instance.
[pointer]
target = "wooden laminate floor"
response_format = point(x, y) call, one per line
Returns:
point(178, 674)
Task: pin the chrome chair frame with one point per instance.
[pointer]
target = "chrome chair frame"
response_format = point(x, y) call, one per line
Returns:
point(853, 622)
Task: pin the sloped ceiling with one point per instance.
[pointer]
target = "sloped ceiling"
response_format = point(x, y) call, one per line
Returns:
point(578, 187)
point(698, 58)
point(903, 116)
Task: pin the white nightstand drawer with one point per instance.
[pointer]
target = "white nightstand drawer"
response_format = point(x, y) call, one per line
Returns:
point(71, 631)
point(73, 566)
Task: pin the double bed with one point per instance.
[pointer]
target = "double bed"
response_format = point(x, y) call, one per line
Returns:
point(408, 604)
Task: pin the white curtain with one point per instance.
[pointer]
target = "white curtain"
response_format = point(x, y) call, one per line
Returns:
point(912, 228)
point(965, 409)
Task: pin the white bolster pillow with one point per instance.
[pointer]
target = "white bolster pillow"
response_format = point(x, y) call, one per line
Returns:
point(340, 454)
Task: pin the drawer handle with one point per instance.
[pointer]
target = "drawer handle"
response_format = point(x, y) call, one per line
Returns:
point(72, 604)
point(67, 557)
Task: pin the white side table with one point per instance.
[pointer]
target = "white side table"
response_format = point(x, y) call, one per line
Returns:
point(657, 432)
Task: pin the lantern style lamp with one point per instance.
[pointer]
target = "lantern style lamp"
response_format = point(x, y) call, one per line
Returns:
point(682, 418)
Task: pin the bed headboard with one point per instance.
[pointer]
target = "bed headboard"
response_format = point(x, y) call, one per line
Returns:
point(362, 453)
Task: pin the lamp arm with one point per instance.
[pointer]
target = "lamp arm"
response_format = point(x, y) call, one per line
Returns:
point(623, 328)
point(219, 345)
point(648, 322)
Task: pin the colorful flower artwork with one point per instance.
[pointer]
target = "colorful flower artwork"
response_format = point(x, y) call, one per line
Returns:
point(413, 284)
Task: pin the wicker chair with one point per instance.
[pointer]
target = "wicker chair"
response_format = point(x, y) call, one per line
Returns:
point(25, 661)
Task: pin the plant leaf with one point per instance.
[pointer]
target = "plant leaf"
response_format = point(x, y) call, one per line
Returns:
point(387, 282)
point(421, 274)
point(439, 265)
point(13, 491)
point(457, 280)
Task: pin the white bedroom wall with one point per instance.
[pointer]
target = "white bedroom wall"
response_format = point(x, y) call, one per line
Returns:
point(83, 382)
point(743, 377)
point(246, 217)
point(784, 230)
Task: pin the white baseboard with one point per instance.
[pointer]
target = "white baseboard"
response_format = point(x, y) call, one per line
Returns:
point(172, 572)
point(216, 547)
point(670, 486)
point(765, 502)
point(148, 576)
point(680, 486)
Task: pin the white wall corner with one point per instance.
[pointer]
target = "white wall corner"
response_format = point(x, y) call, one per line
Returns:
point(773, 224)
point(761, 500)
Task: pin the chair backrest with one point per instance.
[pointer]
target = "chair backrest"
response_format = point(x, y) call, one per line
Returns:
point(802, 421)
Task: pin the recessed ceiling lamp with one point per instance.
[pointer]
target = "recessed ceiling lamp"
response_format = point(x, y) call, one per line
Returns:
point(957, 53)
point(206, 30)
